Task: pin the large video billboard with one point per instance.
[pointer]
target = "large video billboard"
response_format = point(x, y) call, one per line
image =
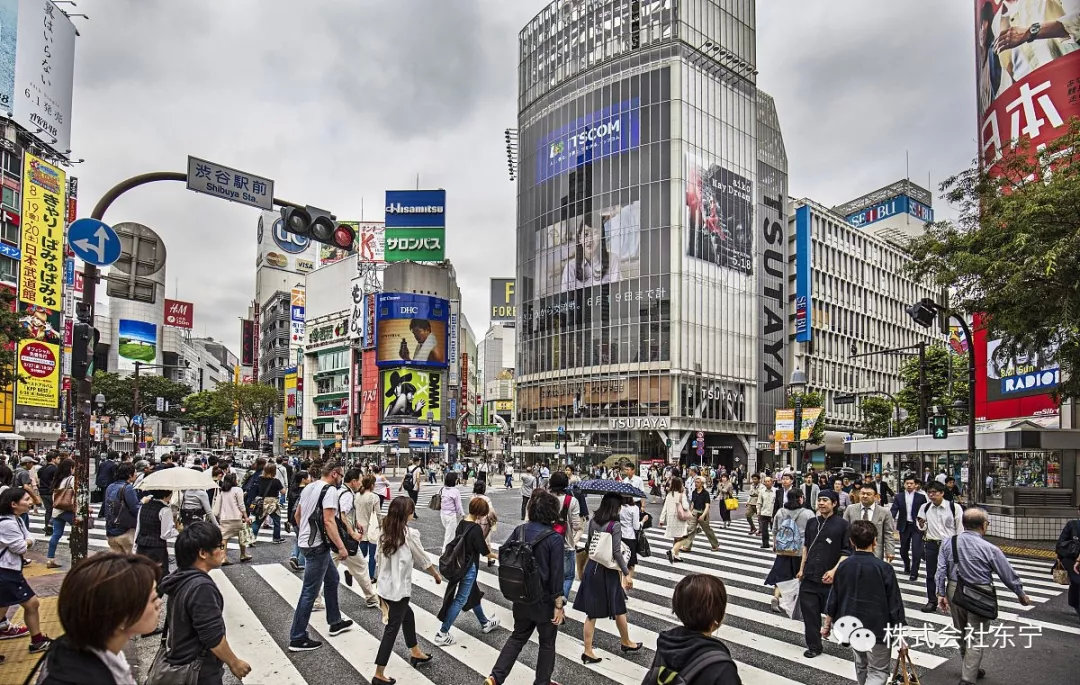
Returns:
point(1027, 64)
point(411, 330)
point(412, 394)
point(1012, 387)
point(720, 205)
point(136, 342)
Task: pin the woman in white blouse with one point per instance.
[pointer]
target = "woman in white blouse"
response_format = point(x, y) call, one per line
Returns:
point(399, 550)
point(675, 515)
point(369, 515)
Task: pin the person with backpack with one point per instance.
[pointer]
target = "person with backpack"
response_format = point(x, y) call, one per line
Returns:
point(400, 550)
point(938, 520)
point(788, 534)
point(602, 592)
point(121, 510)
point(459, 565)
point(531, 577)
point(825, 544)
point(569, 525)
point(690, 654)
point(411, 482)
point(355, 565)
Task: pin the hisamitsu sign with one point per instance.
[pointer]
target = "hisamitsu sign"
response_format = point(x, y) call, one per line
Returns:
point(229, 184)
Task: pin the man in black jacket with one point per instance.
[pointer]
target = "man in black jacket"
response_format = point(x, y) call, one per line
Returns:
point(825, 543)
point(46, 475)
point(905, 509)
point(194, 623)
point(865, 587)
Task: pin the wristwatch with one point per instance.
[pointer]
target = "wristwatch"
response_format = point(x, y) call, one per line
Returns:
point(1033, 31)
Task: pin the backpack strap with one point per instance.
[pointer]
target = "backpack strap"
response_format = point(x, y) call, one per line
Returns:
point(702, 661)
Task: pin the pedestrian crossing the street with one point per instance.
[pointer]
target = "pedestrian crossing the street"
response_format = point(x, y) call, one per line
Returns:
point(767, 646)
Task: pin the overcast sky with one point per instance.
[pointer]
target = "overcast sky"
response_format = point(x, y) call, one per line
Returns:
point(338, 100)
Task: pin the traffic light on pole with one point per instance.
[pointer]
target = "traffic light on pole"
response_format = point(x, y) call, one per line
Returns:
point(318, 225)
point(84, 338)
point(939, 427)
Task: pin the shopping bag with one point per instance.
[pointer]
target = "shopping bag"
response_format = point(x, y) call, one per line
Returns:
point(246, 536)
point(1061, 576)
point(789, 598)
point(732, 503)
point(904, 673)
point(643, 547)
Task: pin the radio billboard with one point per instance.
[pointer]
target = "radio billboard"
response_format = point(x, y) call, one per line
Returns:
point(503, 299)
point(411, 329)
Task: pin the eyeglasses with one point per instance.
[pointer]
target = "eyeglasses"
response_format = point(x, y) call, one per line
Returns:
point(221, 546)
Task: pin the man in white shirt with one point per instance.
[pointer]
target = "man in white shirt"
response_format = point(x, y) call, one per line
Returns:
point(631, 476)
point(939, 520)
point(905, 507)
point(867, 509)
point(316, 538)
point(940, 478)
point(356, 565)
point(426, 350)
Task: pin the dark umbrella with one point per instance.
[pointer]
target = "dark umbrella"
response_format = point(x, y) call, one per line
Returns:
point(603, 487)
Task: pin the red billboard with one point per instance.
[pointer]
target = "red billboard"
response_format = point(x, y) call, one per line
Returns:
point(247, 342)
point(1009, 387)
point(1027, 62)
point(179, 314)
point(370, 403)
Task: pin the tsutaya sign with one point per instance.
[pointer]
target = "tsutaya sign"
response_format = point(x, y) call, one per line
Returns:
point(640, 423)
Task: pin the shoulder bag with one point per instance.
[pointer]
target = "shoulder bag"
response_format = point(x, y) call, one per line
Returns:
point(163, 673)
point(978, 600)
point(680, 511)
point(600, 548)
point(436, 501)
point(64, 498)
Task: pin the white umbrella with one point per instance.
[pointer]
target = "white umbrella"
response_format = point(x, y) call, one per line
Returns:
point(178, 478)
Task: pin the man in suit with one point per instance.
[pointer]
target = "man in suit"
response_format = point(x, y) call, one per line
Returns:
point(810, 490)
point(868, 510)
point(787, 482)
point(905, 509)
point(883, 490)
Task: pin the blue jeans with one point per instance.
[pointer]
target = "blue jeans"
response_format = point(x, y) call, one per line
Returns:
point(569, 567)
point(257, 525)
point(509, 477)
point(319, 569)
point(59, 523)
point(368, 550)
point(463, 589)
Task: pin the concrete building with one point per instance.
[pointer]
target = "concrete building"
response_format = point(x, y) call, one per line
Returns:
point(497, 357)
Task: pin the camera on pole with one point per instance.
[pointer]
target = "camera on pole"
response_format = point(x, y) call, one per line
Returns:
point(318, 225)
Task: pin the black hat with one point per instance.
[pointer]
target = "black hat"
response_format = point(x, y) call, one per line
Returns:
point(831, 494)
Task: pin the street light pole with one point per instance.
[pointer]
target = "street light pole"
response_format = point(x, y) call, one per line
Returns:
point(796, 387)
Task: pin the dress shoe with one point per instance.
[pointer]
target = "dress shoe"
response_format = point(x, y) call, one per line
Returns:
point(981, 674)
point(913, 577)
point(635, 648)
point(586, 659)
point(811, 653)
point(928, 608)
point(416, 661)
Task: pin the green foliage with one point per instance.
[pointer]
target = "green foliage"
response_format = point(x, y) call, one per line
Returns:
point(1014, 252)
point(878, 414)
point(938, 362)
point(11, 332)
point(811, 400)
point(210, 410)
point(254, 402)
point(119, 392)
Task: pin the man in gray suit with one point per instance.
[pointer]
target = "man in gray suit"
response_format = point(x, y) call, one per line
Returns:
point(869, 510)
point(810, 490)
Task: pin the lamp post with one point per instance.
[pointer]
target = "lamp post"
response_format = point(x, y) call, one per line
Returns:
point(924, 312)
point(796, 387)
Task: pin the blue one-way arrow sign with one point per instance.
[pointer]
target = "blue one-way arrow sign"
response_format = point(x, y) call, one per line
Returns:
point(94, 241)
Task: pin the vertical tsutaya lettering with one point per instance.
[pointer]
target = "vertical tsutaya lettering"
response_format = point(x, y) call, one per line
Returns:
point(772, 258)
point(773, 232)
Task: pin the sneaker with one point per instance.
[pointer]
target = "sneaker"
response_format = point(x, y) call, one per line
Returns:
point(319, 604)
point(348, 579)
point(443, 639)
point(41, 646)
point(13, 631)
point(372, 603)
point(491, 625)
point(294, 564)
point(305, 644)
point(278, 541)
point(341, 626)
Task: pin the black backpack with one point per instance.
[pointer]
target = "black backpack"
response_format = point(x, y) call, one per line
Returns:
point(662, 675)
point(117, 513)
point(408, 483)
point(519, 578)
point(452, 562)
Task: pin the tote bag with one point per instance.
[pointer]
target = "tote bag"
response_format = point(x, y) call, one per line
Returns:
point(600, 549)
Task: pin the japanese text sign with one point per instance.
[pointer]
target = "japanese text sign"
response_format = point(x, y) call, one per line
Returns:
point(41, 275)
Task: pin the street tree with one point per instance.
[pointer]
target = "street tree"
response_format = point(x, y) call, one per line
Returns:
point(11, 332)
point(947, 378)
point(877, 415)
point(119, 392)
point(211, 411)
point(1014, 251)
point(811, 400)
point(254, 402)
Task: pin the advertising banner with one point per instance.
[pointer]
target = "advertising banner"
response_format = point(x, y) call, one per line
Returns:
point(279, 249)
point(37, 66)
point(603, 133)
point(804, 297)
point(247, 342)
point(358, 310)
point(333, 332)
point(41, 272)
point(504, 405)
point(894, 206)
point(136, 341)
point(588, 248)
point(370, 405)
point(1012, 387)
point(785, 423)
point(415, 244)
point(412, 394)
point(503, 299)
point(41, 324)
point(1027, 59)
point(719, 207)
point(420, 434)
point(416, 209)
point(256, 344)
point(455, 310)
point(371, 242)
point(411, 329)
point(329, 254)
point(599, 397)
point(39, 364)
point(290, 392)
point(179, 314)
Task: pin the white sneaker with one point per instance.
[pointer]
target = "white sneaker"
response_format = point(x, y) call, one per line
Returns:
point(373, 603)
point(491, 625)
point(443, 639)
point(319, 605)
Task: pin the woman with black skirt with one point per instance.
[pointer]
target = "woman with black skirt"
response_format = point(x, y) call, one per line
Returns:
point(602, 592)
point(724, 492)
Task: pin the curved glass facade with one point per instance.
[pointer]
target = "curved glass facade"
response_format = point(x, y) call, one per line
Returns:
point(636, 254)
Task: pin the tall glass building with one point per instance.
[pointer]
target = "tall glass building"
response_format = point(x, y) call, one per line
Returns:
point(639, 255)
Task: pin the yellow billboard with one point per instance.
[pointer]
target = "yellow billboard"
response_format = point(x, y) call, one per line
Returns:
point(504, 405)
point(412, 394)
point(41, 274)
point(785, 423)
point(39, 374)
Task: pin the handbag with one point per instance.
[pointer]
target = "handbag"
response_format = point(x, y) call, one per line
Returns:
point(600, 549)
point(246, 536)
point(436, 501)
point(1070, 547)
point(64, 498)
point(643, 547)
point(732, 503)
point(680, 511)
point(978, 600)
point(257, 508)
point(904, 673)
point(1061, 575)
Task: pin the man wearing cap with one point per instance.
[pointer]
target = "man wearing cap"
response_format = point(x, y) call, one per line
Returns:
point(826, 542)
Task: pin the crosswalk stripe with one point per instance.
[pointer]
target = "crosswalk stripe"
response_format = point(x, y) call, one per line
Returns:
point(351, 644)
point(248, 638)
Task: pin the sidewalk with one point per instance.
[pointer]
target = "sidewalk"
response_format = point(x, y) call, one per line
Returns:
point(1032, 549)
point(18, 662)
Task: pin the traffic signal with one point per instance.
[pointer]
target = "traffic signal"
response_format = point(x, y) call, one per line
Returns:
point(318, 225)
point(939, 427)
point(84, 339)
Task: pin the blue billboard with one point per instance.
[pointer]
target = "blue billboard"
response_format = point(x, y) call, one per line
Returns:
point(411, 330)
point(603, 133)
point(894, 206)
point(804, 299)
point(415, 209)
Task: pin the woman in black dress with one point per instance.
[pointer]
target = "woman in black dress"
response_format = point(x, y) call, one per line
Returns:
point(602, 592)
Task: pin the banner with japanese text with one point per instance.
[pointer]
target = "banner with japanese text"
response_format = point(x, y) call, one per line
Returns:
point(39, 371)
point(42, 268)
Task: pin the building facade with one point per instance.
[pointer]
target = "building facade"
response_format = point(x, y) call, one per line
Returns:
point(637, 271)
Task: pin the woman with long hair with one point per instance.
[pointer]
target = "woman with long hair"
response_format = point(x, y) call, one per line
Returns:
point(452, 509)
point(231, 515)
point(488, 522)
point(64, 478)
point(675, 516)
point(269, 490)
point(14, 541)
point(464, 594)
point(602, 592)
point(592, 263)
point(725, 491)
point(369, 515)
point(399, 551)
